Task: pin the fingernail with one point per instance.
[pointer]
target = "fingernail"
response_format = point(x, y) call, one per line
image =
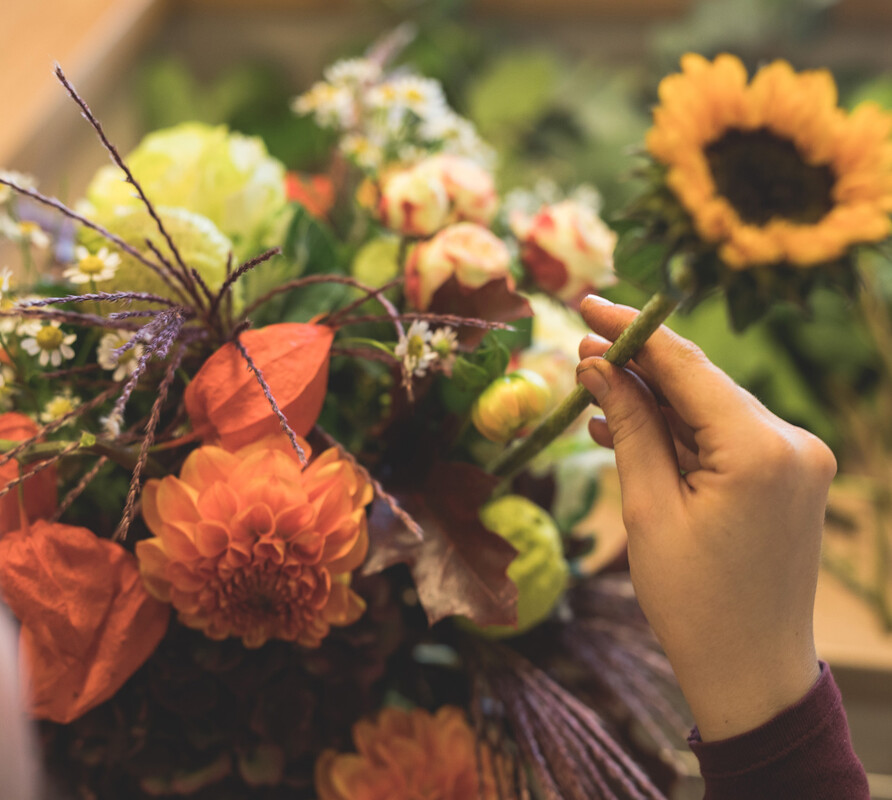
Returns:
point(593, 338)
point(597, 300)
point(591, 378)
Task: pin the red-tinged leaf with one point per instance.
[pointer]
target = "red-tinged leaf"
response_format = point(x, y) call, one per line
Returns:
point(459, 567)
point(494, 301)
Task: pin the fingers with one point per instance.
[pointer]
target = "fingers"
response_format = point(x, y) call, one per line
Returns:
point(700, 392)
point(645, 452)
point(688, 459)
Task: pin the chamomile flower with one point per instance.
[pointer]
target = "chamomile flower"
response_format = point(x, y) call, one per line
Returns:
point(444, 343)
point(332, 106)
point(6, 192)
point(111, 424)
point(123, 364)
point(353, 71)
point(59, 406)
point(364, 152)
point(26, 232)
point(93, 267)
point(414, 349)
point(50, 343)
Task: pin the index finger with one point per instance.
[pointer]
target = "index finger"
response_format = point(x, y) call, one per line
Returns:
point(698, 390)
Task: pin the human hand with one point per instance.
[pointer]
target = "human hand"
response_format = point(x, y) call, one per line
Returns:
point(724, 555)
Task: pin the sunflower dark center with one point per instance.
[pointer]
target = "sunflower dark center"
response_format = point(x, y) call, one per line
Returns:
point(764, 176)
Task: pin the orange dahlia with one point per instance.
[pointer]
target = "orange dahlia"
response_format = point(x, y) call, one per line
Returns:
point(772, 171)
point(253, 544)
point(408, 755)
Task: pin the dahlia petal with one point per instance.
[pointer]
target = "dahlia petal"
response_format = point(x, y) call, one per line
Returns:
point(344, 606)
point(206, 466)
point(218, 503)
point(177, 499)
point(178, 542)
point(355, 556)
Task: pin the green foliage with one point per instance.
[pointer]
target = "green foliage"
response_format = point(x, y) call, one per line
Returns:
point(473, 372)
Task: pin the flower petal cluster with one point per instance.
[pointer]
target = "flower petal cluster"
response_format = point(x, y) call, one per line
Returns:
point(92, 267)
point(50, 344)
point(420, 199)
point(567, 248)
point(509, 404)
point(226, 177)
point(409, 755)
point(469, 252)
point(772, 171)
point(87, 621)
point(252, 544)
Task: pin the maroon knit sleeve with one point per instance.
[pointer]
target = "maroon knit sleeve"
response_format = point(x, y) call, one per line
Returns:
point(804, 752)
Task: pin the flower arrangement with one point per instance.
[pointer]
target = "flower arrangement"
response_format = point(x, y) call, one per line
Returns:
point(318, 579)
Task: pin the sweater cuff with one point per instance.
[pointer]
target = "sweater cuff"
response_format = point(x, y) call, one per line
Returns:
point(772, 741)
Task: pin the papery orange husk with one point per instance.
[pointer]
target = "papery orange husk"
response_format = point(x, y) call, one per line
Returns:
point(253, 544)
point(226, 403)
point(87, 621)
point(409, 755)
point(314, 192)
point(39, 490)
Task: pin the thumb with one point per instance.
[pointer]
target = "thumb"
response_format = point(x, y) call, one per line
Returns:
point(645, 454)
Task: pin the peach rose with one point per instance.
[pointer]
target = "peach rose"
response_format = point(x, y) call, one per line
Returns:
point(567, 248)
point(413, 202)
point(470, 252)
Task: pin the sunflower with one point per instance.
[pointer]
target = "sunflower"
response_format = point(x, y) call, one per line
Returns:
point(772, 171)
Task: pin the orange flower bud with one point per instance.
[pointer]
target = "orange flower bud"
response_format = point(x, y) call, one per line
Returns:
point(314, 192)
point(87, 621)
point(567, 248)
point(509, 404)
point(472, 253)
point(39, 490)
point(225, 401)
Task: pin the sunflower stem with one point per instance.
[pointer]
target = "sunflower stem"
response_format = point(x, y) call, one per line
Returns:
point(629, 342)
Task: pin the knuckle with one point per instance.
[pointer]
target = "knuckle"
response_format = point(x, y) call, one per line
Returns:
point(625, 421)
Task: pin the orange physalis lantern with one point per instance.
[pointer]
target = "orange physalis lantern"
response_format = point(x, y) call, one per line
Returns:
point(225, 402)
point(39, 489)
point(88, 622)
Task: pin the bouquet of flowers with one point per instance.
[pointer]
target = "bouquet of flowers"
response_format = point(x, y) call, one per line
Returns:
point(260, 526)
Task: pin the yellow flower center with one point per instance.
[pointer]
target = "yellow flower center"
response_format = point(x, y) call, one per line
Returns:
point(415, 348)
point(414, 96)
point(49, 338)
point(91, 265)
point(764, 176)
point(27, 228)
point(59, 407)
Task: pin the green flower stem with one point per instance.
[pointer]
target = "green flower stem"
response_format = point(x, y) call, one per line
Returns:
point(123, 456)
point(629, 342)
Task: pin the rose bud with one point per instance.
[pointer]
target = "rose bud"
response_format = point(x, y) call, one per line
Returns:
point(509, 404)
point(413, 202)
point(539, 571)
point(472, 253)
point(567, 248)
point(469, 187)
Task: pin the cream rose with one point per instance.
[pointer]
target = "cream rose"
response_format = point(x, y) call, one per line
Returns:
point(470, 252)
point(567, 248)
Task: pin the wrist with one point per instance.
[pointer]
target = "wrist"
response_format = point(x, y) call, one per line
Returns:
point(730, 702)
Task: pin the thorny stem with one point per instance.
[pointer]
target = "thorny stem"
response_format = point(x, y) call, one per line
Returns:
point(629, 342)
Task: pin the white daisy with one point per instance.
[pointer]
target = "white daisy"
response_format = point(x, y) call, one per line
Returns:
point(96, 267)
point(5, 281)
point(123, 364)
point(414, 349)
point(362, 151)
point(6, 192)
point(27, 232)
point(444, 343)
point(353, 71)
point(59, 406)
point(51, 344)
point(333, 106)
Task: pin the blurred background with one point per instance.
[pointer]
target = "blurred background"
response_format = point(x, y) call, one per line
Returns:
point(562, 89)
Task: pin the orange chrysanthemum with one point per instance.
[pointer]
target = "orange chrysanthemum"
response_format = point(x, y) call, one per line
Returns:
point(253, 544)
point(773, 171)
point(408, 755)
